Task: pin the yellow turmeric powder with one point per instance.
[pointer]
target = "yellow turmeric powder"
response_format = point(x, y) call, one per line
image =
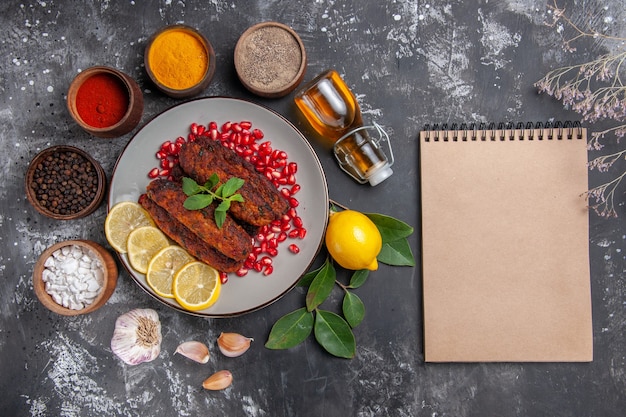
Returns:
point(178, 59)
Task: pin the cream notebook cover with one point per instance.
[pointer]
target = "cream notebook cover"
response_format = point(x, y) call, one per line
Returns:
point(505, 246)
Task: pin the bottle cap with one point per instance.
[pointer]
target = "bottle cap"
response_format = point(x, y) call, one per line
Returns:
point(380, 175)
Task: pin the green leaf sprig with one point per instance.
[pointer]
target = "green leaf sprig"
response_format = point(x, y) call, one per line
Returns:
point(333, 331)
point(201, 196)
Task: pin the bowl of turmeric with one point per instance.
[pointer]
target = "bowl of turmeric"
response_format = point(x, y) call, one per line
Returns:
point(180, 61)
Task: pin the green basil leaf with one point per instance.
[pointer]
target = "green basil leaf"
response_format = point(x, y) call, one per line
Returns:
point(390, 229)
point(353, 309)
point(321, 287)
point(237, 197)
point(231, 186)
point(290, 330)
point(190, 187)
point(220, 217)
point(396, 253)
point(197, 201)
point(358, 278)
point(334, 334)
point(212, 181)
point(224, 205)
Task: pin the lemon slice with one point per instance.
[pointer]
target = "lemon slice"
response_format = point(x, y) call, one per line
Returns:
point(197, 286)
point(123, 218)
point(143, 243)
point(162, 268)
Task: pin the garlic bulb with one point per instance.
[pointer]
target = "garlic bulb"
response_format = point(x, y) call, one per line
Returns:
point(137, 336)
point(233, 344)
point(196, 351)
point(218, 381)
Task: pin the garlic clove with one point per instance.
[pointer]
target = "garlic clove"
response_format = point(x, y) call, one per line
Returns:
point(196, 351)
point(218, 381)
point(137, 336)
point(233, 344)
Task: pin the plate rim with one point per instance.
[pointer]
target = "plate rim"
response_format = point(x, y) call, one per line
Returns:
point(319, 244)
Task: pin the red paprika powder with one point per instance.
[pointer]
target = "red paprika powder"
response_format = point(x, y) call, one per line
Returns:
point(102, 100)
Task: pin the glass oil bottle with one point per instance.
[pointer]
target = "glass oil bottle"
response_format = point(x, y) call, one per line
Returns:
point(333, 112)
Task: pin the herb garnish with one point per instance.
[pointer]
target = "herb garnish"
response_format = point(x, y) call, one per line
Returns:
point(201, 196)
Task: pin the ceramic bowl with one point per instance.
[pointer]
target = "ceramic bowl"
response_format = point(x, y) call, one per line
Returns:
point(270, 59)
point(94, 251)
point(151, 51)
point(39, 190)
point(113, 126)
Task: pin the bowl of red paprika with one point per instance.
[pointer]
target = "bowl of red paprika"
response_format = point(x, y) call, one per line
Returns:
point(105, 102)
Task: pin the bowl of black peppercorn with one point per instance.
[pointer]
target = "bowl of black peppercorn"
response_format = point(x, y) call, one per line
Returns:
point(64, 183)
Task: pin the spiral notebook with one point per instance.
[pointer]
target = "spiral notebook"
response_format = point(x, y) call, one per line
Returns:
point(505, 244)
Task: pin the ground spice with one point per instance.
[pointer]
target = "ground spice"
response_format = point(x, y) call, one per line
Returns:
point(270, 58)
point(102, 100)
point(178, 59)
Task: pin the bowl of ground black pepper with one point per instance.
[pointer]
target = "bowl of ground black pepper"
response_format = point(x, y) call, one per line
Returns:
point(65, 183)
point(105, 102)
point(270, 59)
point(180, 61)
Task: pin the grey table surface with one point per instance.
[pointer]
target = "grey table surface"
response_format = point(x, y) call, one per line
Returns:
point(410, 63)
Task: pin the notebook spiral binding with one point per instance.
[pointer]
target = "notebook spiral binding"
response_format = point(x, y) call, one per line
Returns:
point(503, 131)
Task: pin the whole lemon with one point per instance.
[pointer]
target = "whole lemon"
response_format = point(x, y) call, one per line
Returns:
point(353, 240)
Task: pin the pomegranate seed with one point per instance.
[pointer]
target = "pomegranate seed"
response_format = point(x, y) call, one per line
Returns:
point(301, 233)
point(226, 127)
point(295, 189)
point(282, 237)
point(297, 221)
point(258, 134)
point(293, 202)
point(242, 272)
point(245, 124)
point(285, 192)
point(268, 270)
point(212, 125)
point(272, 251)
point(294, 248)
point(154, 172)
point(164, 172)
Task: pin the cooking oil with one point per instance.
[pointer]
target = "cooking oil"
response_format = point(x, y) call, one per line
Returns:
point(334, 113)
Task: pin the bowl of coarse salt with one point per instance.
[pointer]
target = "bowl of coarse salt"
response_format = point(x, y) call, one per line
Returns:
point(74, 277)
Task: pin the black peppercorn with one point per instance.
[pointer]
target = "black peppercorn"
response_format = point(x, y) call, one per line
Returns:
point(65, 183)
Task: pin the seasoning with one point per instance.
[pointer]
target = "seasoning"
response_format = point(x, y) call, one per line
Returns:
point(270, 59)
point(64, 182)
point(178, 59)
point(73, 277)
point(102, 100)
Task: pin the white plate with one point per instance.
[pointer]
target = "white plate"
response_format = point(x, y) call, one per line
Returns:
point(255, 290)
